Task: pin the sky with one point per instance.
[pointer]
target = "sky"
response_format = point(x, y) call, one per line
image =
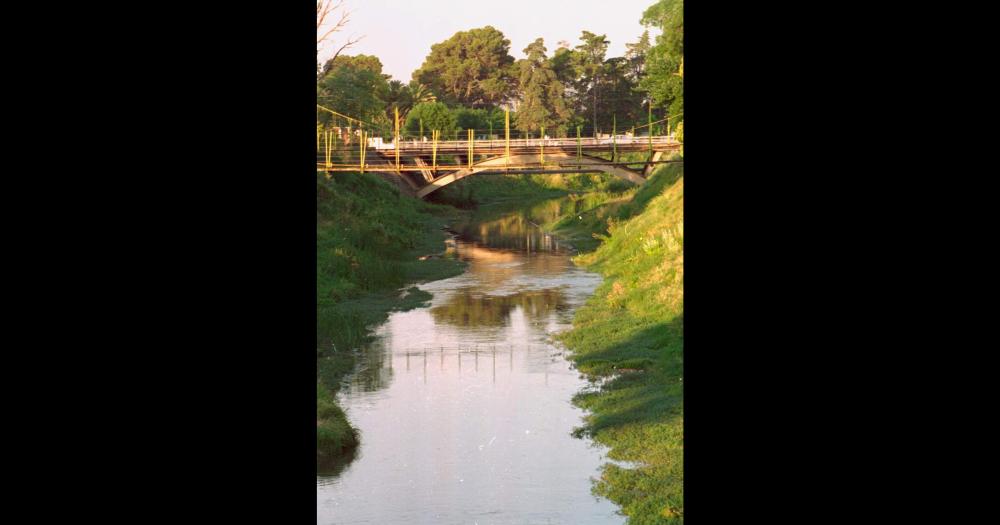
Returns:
point(400, 32)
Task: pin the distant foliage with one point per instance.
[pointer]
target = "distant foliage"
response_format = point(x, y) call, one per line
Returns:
point(435, 116)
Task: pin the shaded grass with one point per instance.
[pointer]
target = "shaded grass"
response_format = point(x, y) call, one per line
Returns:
point(368, 240)
point(631, 333)
point(487, 189)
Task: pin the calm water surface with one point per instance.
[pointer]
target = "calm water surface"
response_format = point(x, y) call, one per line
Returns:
point(464, 406)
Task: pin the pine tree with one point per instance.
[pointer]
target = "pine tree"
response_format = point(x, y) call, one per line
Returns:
point(542, 103)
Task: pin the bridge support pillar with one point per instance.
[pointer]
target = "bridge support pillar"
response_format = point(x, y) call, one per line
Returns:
point(651, 167)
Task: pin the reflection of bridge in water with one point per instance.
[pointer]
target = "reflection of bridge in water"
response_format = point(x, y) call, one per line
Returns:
point(380, 368)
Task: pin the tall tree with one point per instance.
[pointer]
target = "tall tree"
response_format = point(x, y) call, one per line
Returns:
point(542, 102)
point(665, 61)
point(563, 63)
point(635, 54)
point(622, 103)
point(590, 65)
point(472, 68)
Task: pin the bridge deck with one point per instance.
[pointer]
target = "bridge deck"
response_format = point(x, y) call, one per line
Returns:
point(489, 147)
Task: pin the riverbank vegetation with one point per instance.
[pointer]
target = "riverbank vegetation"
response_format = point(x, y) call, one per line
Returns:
point(369, 241)
point(630, 333)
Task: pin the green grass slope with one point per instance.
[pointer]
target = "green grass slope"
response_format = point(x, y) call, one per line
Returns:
point(631, 333)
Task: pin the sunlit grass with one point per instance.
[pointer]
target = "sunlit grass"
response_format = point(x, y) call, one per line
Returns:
point(631, 331)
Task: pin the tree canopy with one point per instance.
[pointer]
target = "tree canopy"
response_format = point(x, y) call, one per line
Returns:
point(542, 103)
point(472, 68)
point(466, 80)
point(353, 90)
point(665, 64)
point(360, 62)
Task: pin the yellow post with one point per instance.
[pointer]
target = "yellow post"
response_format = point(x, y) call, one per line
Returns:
point(472, 139)
point(329, 149)
point(506, 131)
point(579, 145)
point(542, 154)
point(650, 124)
point(396, 140)
point(364, 148)
point(614, 137)
point(434, 148)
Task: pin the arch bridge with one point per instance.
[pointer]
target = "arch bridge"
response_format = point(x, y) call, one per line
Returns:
point(421, 166)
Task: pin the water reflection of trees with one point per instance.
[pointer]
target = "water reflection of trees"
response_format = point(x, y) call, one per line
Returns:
point(520, 229)
point(374, 371)
point(471, 308)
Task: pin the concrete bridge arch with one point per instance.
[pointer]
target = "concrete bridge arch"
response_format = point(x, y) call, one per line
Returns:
point(554, 160)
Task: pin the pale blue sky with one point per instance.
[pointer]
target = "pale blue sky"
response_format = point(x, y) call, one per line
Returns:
point(401, 32)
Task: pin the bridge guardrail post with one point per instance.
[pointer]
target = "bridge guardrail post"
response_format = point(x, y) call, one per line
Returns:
point(542, 143)
point(361, 153)
point(434, 148)
point(506, 131)
point(579, 147)
point(614, 137)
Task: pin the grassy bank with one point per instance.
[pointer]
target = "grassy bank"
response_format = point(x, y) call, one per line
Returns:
point(630, 332)
point(368, 243)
